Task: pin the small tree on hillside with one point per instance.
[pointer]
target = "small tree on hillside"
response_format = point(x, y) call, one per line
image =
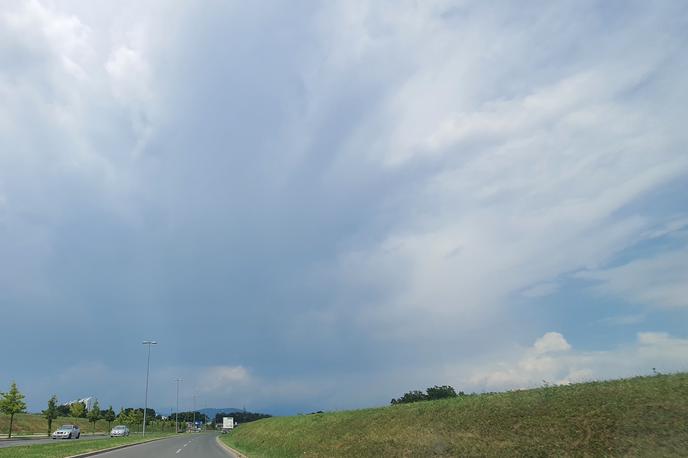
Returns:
point(12, 403)
point(441, 392)
point(411, 396)
point(50, 413)
point(109, 416)
point(94, 415)
point(78, 409)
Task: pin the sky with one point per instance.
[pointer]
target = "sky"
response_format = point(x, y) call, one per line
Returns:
point(322, 205)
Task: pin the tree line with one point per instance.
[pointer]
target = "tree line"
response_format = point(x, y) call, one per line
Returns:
point(241, 417)
point(190, 416)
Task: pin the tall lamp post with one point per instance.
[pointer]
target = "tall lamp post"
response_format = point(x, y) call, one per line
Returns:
point(176, 414)
point(194, 410)
point(145, 405)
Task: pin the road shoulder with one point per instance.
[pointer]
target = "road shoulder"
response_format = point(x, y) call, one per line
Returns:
point(230, 451)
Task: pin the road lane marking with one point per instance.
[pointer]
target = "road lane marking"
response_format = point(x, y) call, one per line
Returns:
point(179, 450)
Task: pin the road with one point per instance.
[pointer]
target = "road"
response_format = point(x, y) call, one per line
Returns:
point(15, 443)
point(196, 445)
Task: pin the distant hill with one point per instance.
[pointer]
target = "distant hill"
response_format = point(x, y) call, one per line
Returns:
point(643, 416)
point(212, 412)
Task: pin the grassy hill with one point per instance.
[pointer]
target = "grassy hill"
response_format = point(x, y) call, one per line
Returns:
point(642, 416)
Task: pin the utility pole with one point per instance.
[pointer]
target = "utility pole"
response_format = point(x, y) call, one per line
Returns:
point(176, 414)
point(145, 405)
point(194, 410)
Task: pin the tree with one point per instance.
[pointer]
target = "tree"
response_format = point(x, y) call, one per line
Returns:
point(136, 417)
point(109, 416)
point(411, 396)
point(12, 403)
point(78, 409)
point(441, 392)
point(51, 412)
point(94, 415)
point(63, 410)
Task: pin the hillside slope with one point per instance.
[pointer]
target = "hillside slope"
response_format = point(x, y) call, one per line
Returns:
point(644, 416)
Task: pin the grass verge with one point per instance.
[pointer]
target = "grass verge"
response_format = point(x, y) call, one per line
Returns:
point(641, 416)
point(61, 449)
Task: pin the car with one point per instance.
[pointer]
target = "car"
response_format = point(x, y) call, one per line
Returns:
point(119, 431)
point(67, 432)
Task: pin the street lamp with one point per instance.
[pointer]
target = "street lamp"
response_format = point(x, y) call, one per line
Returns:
point(176, 414)
point(145, 405)
point(194, 410)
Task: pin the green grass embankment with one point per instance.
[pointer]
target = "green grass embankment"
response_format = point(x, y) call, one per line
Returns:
point(35, 424)
point(642, 416)
point(28, 424)
point(64, 448)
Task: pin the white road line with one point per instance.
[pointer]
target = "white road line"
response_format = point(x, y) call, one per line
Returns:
point(179, 450)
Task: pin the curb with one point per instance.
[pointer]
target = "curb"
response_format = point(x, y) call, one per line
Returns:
point(21, 438)
point(98, 452)
point(229, 449)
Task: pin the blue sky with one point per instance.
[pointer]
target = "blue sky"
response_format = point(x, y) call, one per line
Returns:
point(322, 205)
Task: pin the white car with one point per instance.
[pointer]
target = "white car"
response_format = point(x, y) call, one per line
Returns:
point(67, 432)
point(119, 431)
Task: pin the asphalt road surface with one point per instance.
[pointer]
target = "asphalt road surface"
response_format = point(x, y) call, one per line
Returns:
point(194, 445)
point(15, 443)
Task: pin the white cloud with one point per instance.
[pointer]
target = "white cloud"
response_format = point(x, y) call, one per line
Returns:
point(523, 184)
point(541, 290)
point(222, 379)
point(657, 281)
point(551, 342)
point(672, 227)
point(129, 72)
point(36, 27)
point(530, 367)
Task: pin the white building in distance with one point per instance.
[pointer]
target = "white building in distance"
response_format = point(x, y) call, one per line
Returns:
point(88, 402)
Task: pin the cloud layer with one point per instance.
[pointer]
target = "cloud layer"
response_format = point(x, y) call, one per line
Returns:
point(302, 199)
